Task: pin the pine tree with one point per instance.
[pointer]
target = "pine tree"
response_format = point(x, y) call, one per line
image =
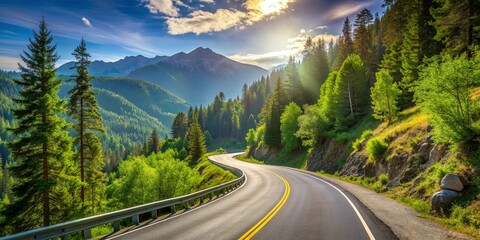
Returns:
point(274, 111)
point(457, 24)
point(411, 55)
point(345, 45)
point(384, 96)
point(84, 110)
point(154, 142)
point(180, 125)
point(43, 149)
point(362, 42)
point(295, 85)
point(196, 142)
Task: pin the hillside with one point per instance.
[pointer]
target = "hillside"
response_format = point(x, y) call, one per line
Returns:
point(199, 75)
point(130, 109)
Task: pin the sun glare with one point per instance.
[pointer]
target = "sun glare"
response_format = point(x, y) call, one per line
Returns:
point(272, 6)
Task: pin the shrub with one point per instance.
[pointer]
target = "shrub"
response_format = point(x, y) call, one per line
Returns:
point(383, 178)
point(358, 143)
point(376, 148)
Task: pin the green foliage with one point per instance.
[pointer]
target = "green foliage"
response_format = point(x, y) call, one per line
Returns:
point(383, 179)
point(43, 188)
point(351, 92)
point(196, 142)
point(260, 135)
point(289, 126)
point(444, 94)
point(154, 142)
point(384, 96)
point(309, 127)
point(180, 125)
point(212, 174)
point(356, 145)
point(274, 109)
point(250, 138)
point(314, 68)
point(327, 101)
point(376, 148)
point(146, 179)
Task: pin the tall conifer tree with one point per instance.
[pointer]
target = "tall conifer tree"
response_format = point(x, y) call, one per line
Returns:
point(42, 151)
point(84, 110)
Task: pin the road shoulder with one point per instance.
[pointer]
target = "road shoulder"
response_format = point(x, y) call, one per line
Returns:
point(402, 220)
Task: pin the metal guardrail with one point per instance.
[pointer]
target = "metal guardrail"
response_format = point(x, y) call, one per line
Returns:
point(62, 230)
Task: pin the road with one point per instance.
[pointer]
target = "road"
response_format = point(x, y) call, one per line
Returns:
point(274, 203)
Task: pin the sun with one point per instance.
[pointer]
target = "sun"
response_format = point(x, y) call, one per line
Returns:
point(272, 6)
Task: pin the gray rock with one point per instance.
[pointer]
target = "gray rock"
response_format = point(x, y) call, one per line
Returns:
point(436, 153)
point(442, 201)
point(452, 182)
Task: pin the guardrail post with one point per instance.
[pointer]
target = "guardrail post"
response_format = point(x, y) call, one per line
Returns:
point(154, 214)
point(87, 233)
point(173, 209)
point(116, 226)
point(135, 220)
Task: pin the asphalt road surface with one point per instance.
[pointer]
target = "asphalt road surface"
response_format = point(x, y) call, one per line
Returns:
point(275, 203)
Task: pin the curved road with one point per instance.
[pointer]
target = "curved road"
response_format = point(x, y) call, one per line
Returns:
point(274, 203)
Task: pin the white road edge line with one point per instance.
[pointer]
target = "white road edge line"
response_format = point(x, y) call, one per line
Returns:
point(181, 214)
point(365, 226)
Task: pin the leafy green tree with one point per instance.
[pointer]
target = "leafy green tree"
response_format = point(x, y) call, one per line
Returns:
point(444, 94)
point(309, 127)
point(84, 110)
point(154, 142)
point(43, 167)
point(384, 96)
point(250, 138)
point(289, 126)
point(180, 125)
point(327, 102)
point(196, 142)
point(351, 91)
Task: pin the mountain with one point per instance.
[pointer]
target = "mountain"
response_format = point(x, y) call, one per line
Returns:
point(199, 75)
point(119, 68)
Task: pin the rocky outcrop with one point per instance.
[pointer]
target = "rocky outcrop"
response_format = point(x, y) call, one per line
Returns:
point(452, 182)
point(401, 167)
point(328, 155)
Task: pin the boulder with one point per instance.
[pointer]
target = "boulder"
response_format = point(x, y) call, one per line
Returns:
point(442, 201)
point(452, 182)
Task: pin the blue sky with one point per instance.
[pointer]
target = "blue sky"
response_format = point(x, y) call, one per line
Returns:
point(261, 32)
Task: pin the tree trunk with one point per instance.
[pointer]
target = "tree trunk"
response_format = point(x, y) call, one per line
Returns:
point(45, 194)
point(82, 170)
point(350, 98)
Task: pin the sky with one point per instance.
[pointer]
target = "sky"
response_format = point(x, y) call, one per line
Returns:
point(260, 32)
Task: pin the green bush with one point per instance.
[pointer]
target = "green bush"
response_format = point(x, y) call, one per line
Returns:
point(383, 178)
point(357, 145)
point(376, 148)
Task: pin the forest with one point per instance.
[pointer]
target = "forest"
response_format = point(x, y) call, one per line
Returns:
point(420, 54)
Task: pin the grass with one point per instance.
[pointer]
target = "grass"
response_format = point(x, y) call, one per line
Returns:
point(376, 148)
point(212, 174)
point(242, 157)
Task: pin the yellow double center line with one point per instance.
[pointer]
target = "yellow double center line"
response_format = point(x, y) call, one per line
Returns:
point(260, 224)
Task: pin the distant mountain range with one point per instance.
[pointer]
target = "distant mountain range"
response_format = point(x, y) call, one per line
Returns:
point(196, 76)
point(119, 68)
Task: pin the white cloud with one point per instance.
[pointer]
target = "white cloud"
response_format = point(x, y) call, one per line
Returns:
point(161, 6)
point(208, 1)
point(203, 22)
point(265, 60)
point(181, 4)
point(321, 27)
point(9, 63)
point(199, 21)
point(86, 22)
point(345, 9)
